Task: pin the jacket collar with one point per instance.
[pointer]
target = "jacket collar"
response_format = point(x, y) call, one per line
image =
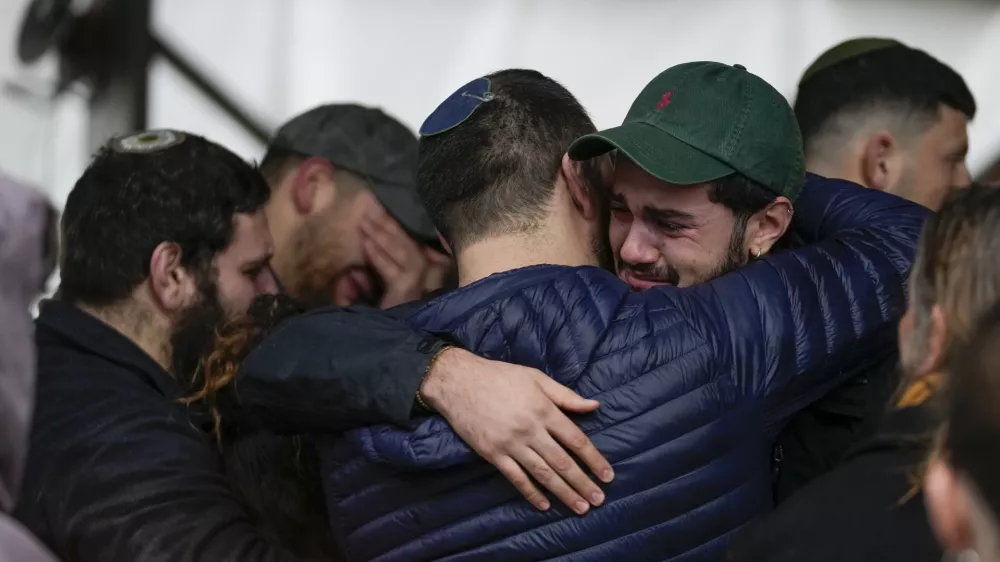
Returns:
point(453, 306)
point(96, 337)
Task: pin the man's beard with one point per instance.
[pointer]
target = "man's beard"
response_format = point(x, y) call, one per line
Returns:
point(733, 259)
point(195, 331)
point(316, 267)
point(600, 244)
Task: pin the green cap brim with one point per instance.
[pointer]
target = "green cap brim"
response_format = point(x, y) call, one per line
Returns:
point(658, 153)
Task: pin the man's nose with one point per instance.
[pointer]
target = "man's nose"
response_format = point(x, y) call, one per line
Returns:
point(267, 283)
point(638, 247)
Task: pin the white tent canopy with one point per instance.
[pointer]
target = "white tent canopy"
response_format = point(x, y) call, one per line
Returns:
point(281, 57)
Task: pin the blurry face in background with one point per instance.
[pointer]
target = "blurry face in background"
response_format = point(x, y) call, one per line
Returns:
point(224, 291)
point(670, 234)
point(936, 161)
point(329, 262)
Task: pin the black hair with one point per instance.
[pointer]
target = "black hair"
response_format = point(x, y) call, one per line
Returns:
point(125, 204)
point(905, 81)
point(495, 172)
point(745, 197)
point(277, 161)
point(741, 195)
point(973, 423)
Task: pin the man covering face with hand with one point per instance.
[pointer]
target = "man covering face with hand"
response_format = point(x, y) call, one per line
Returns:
point(347, 223)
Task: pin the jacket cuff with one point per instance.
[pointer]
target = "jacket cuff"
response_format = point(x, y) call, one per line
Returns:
point(433, 344)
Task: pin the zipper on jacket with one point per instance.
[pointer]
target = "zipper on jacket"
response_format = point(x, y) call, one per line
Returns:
point(777, 456)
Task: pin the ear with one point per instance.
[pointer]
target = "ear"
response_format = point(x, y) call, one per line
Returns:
point(579, 191)
point(170, 283)
point(880, 166)
point(312, 175)
point(937, 341)
point(947, 506)
point(769, 225)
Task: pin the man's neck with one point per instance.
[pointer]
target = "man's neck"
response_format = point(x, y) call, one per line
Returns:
point(841, 170)
point(505, 253)
point(137, 327)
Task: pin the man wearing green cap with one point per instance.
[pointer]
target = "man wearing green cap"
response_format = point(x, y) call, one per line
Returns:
point(709, 160)
point(888, 116)
point(694, 379)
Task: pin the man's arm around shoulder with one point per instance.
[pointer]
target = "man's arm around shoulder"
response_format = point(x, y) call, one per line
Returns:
point(791, 325)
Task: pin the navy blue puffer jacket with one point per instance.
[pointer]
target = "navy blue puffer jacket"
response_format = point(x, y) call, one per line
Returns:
point(693, 385)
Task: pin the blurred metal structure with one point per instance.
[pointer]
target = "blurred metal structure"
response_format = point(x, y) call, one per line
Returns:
point(209, 89)
point(121, 46)
point(109, 46)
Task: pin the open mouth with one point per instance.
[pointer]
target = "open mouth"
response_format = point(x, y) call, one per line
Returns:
point(642, 282)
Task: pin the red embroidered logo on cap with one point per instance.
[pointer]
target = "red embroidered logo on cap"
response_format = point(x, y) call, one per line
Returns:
point(664, 101)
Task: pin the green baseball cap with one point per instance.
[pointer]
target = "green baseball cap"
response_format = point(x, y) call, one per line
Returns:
point(701, 121)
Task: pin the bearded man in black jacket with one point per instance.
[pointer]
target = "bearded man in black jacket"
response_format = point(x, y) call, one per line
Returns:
point(164, 238)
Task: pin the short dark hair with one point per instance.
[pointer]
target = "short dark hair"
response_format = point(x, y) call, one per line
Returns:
point(125, 204)
point(741, 195)
point(905, 82)
point(495, 172)
point(277, 162)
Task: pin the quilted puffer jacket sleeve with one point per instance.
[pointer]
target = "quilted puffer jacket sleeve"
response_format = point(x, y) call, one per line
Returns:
point(369, 372)
point(786, 328)
point(790, 327)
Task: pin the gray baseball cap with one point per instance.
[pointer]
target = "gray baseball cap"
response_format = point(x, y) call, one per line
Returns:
point(371, 144)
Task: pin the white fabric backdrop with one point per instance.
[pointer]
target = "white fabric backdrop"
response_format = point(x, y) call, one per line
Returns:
point(280, 57)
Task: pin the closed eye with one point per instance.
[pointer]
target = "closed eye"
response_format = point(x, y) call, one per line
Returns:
point(670, 226)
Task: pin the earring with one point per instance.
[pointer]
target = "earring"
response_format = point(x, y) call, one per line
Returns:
point(757, 255)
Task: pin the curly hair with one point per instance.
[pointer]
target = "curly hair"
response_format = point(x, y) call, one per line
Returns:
point(276, 477)
point(213, 384)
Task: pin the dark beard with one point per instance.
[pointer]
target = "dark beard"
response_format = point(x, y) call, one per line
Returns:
point(195, 331)
point(321, 295)
point(735, 257)
point(601, 246)
point(316, 267)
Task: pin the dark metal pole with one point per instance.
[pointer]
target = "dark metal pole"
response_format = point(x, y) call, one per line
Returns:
point(120, 49)
point(212, 91)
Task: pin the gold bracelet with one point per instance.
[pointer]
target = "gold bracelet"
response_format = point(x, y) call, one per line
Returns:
point(427, 371)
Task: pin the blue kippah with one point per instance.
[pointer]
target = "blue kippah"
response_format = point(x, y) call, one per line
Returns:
point(457, 108)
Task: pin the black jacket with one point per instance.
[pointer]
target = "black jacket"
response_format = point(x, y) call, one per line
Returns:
point(816, 439)
point(855, 513)
point(118, 471)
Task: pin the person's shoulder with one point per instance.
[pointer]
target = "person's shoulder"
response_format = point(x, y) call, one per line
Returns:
point(580, 289)
point(80, 367)
point(72, 379)
point(818, 180)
